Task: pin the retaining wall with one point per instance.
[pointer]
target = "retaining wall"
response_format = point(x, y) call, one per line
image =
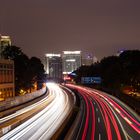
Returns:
point(18, 100)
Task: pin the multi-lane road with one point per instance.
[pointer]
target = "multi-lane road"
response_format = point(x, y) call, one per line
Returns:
point(105, 117)
point(100, 116)
point(46, 122)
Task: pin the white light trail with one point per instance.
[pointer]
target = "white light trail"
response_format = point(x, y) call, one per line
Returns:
point(45, 123)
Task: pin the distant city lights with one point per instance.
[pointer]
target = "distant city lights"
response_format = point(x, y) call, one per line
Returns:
point(70, 60)
point(52, 55)
point(71, 52)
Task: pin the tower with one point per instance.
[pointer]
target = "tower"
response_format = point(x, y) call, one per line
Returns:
point(4, 41)
point(71, 61)
point(53, 66)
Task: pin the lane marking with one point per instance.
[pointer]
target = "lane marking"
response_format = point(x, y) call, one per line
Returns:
point(127, 120)
point(118, 121)
point(98, 119)
point(129, 136)
point(99, 136)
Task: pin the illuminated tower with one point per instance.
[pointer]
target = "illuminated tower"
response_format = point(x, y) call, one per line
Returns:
point(53, 66)
point(71, 61)
point(7, 84)
point(4, 41)
point(88, 60)
point(7, 81)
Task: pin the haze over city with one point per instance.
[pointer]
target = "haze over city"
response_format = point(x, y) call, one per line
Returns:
point(50, 26)
point(70, 69)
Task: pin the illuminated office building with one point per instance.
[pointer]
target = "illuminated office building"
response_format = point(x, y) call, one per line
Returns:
point(4, 41)
point(88, 60)
point(71, 61)
point(7, 85)
point(53, 66)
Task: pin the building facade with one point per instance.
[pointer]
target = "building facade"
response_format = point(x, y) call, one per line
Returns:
point(87, 60)
point(4, 41)
point(7, 87)
point(71, 61)
point(53, 66)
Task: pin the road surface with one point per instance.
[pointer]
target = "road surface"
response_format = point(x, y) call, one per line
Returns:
point(105, 117)
point(44, 124)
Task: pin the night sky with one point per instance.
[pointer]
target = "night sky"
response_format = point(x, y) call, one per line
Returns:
point(101, 27)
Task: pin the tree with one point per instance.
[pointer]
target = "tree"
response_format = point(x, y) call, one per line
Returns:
point(27, 71)
point(20, 62)
point(81, 72)
point(111, 71)
point(11, 52)
point(130, 61)
point(36, 71)
point(115, 71)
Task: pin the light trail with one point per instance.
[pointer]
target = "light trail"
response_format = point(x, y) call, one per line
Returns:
point(44, 124)
point(26, 109)
point(113, 115)
point(87, 119)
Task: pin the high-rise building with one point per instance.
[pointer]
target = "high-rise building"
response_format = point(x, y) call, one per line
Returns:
point(88, 60)
point(4, 41)
point(7, 86)
point(53, 66)
point(71, 61)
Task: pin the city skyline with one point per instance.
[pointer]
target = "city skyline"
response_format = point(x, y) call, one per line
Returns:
point(70, 69)
point(100, 27)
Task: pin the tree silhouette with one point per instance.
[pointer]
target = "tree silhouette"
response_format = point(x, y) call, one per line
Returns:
point(130, 62)
point(115, 71)
point(27, 71)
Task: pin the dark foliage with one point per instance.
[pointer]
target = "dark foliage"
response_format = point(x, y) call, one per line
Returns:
point(115, 71)
point(27, 71)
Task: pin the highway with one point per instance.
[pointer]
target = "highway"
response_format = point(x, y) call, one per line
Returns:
point(105, 117)
point(46, 122)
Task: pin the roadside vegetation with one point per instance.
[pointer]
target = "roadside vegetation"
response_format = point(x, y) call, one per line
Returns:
point(29, 72)
point(120, 76)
